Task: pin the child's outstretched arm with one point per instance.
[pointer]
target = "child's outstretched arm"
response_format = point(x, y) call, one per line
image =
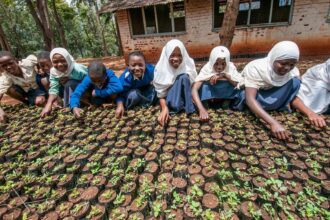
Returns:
point(164, 115)
point(315, 119)
point(203, 115)
point(76, 96)
point(277, 129)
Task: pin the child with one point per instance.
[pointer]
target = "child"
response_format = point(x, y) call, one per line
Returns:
point(102, 83)
point(65, 75)
point(216, 80)
point(174, 74)
point(314, 94)
point(18, 79)
point(137, 84)
point(44, 65)
point(271, 83)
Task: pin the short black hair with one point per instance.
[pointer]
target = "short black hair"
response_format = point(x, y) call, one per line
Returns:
point(44, 55)
point(136, 53)
point(97, 69)
point(4, 53)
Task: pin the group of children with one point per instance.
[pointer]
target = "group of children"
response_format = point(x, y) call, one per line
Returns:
point(271, 83)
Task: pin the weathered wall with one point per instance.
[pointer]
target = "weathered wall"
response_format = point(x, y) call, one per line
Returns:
point(308, 29)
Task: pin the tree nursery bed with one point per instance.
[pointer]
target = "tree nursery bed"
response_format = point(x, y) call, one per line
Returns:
point(100, 167)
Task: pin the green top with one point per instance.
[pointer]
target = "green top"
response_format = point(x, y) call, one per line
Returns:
point(78, 73)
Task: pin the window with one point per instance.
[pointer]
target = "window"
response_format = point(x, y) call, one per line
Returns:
point(328, 16)
point(157, 19)
point(254, 12)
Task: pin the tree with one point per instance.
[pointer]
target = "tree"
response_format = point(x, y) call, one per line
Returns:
point(41, 16)
point(3, 40)
point(59, 25)
point(227, 30)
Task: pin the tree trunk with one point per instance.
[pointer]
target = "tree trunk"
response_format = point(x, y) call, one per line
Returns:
point(41, 17)
point(3, 40)
point(117, 34)
point(59, 25)
point(100, 30)
point(227, 29)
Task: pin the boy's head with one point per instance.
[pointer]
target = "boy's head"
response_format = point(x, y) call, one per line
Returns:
point(44, 62)
point(8, 63)
point(136, 63)
point(97, 73)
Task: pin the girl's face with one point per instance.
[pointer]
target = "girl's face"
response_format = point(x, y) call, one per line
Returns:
point(282, 67)
point(60, 63)
point(9, 65)
point(219, 65)
point(45, 65)
point(137, 66)
point(176, 58)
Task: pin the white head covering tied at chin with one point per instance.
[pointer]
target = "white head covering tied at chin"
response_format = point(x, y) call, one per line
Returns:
point(260, 74)
point(69, 59)
point(165, 74)
point(208, 69)
point(315, 88)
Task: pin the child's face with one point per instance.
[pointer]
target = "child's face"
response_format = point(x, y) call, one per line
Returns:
point(219, 65)
point(137, 66)
point(97, 81)
point(282, 67)
point(60, 63)
point(9, 65)
point(45, 65)
point(176, 58)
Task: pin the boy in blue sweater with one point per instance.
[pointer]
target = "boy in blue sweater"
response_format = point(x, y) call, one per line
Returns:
point(137, 84)
point(101, 82)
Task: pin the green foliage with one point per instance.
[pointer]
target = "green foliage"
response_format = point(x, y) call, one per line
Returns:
point(79, 21)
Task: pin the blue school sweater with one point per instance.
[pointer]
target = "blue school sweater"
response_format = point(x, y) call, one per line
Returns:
point(112, 86)
point(128, 82)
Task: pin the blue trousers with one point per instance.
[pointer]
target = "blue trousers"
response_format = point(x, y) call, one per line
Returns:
point(179, 96)
point(140, 97)
point(221, 90)
point(276, 98)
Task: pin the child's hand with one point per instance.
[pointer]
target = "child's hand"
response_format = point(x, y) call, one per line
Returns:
point(77, 112)
point(120, 110)
point(279, 131)
point(3, 117)
point(46, 110)
point(214, 80)
point(163, 117)
point(203, 115)
point(317, 120)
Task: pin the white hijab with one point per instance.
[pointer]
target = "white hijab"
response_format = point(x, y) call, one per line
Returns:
point(208, 71)
point(69, 59)
point(260, 73)
point(315, 87)
point(165, 74)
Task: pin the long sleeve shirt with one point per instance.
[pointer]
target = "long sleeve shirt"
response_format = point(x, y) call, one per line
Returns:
point(111, 87)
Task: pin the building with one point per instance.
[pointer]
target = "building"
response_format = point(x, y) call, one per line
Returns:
point(148, 25)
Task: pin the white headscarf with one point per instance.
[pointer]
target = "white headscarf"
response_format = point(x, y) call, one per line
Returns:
point(165, 74)
point(69, 59)
point(208, 69)
point(260, 73)
point(315, 87)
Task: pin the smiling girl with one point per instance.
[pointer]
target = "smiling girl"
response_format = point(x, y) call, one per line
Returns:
point(272, 83)
point(216, 81)
point(174, 74)
point(137, 84)
point(65, 75)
